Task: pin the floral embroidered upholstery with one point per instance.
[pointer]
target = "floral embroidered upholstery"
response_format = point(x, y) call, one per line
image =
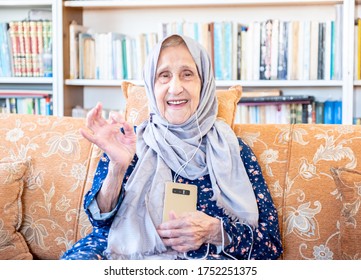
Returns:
point(270, 144)
point(296, 161)
point(348, 182)
point(54, 186)
point(12, 243)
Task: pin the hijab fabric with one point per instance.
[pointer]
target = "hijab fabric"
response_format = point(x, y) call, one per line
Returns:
point(207, 144)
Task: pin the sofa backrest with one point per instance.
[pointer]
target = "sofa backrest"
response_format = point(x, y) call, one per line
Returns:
point(295, 159)
point(55, 181)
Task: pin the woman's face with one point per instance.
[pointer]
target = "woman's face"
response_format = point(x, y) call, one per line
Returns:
point(177, 84)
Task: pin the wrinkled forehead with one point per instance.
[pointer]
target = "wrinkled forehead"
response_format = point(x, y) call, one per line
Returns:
point(176, 57)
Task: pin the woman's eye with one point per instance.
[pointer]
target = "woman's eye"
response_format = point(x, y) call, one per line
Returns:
point(188, 74)
point(164, 77)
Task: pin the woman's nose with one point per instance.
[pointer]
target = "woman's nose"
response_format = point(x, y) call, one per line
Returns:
point(175, 85)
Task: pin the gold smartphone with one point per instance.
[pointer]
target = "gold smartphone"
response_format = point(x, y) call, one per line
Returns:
point(179, 198)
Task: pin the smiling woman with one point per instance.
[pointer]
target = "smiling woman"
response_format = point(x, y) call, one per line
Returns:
point(182, 142)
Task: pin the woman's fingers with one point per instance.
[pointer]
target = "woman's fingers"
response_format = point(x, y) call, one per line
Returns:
point(89, 136)
point(94, 117)
point(115, 117)
point(189, 231)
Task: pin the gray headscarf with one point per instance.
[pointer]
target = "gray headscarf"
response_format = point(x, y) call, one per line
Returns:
point(133, 232)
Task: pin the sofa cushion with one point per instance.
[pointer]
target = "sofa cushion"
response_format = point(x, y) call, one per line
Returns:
point(348, 182)
point(12, 242)
point(137, 111)
point(53, 217)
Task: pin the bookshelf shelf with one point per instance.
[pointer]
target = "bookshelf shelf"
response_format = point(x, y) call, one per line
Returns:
point(26, 80)
point(98, 83)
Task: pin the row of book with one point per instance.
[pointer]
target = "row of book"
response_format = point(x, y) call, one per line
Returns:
point(288, 109)
point(26, 102)
point(108, 55)
point(26, 48)
point(261, 50)
point(269, 50)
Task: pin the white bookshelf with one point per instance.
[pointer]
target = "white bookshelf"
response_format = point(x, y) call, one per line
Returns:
point(18, 10)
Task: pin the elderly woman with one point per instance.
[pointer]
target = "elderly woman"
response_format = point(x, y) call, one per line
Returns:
point(181, 142)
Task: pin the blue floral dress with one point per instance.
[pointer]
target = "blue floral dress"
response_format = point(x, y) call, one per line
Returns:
point(264, 242)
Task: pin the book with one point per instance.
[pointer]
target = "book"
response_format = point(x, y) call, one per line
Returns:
point(274, 49)
point(358, 63)
point(74, 30)
point(34, 45)
point(6, 69)
point(328, 116)
point(299, 113)
point(249, 52)
point(300, 50)
point(40, 42)
point(290, 51)
point(244, 48)
point(82, 38)
point(327, 52)
point(306, 50)
point(241, 61)
point(15, 47)
point(282, 51)
point(27, 49)
point(89, 58)
point(332, 55)
point(279, 99)
point(263, 51)
point(227, 50)
point(256, 51)
point(338, 42)
point(295, 50)
point(268, 48)
point(293, 110)
point(47, 49)
point(321, 51)
point(314, 50)
point(337, 112)
point(218, 51)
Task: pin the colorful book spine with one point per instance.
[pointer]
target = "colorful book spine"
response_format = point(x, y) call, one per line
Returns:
point(282, 50)
point(6, 67)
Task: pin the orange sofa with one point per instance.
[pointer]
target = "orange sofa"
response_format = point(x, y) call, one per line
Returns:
point(46, 167)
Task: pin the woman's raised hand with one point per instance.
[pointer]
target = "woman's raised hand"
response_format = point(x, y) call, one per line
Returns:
point(120, 147)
